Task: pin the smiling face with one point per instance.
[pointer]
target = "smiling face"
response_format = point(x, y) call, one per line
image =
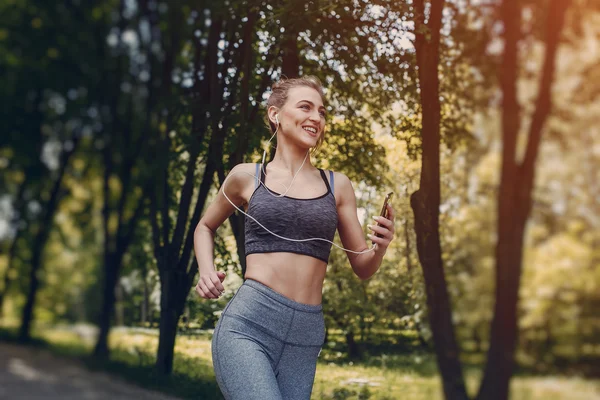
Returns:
point(302, 117)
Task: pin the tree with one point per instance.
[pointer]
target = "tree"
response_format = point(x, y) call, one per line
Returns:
point(38, 111)
point(126, 150)
point(40, 239)
point(515, 189)
point(173, 244)
point(516, 183)
point(425, 202)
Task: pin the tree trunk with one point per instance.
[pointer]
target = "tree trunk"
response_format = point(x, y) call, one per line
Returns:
point(119, 309)
point(476, 337)
point(112, 266)
point(289, 48)
point(175, 287)
point(438, 300)
point(176, 275)
point(176, 282)
point(407, 250)
point(116, 242)
point(425, 203)
point(166, 342)
point(34, 282)
point(10, 266)
point(246, 63)
point(145, 303)
point(514, 196)
point(12, 252)
point(353, 348)
point(39, 243)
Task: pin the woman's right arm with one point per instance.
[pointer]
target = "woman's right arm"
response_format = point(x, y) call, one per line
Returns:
point(210, 285)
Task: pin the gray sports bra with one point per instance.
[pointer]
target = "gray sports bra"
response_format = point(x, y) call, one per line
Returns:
point(291, 218)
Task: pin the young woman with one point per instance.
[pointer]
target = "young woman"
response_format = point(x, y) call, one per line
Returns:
point(266, 343)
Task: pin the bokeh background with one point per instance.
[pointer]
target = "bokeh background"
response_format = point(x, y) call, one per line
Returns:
point(121, 119)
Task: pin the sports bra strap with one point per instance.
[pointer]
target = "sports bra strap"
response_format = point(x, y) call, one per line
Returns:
point(256, 176)
point(331, 182)
point(324, 179)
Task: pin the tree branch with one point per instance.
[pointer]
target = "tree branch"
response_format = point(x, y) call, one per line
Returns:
point(554, 25)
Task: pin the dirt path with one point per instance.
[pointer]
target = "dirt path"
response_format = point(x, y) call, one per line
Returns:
point(32, 373)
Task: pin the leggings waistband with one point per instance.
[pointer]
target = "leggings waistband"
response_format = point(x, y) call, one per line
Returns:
point(264, 289)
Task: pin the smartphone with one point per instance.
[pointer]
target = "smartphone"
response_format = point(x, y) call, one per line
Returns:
point(384, 210)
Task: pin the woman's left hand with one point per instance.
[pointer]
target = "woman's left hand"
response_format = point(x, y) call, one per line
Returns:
point(383, 227)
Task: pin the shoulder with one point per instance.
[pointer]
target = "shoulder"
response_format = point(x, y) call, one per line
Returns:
point(244, 168)
point(344, 191)
point(240, 182)
point(242, 174)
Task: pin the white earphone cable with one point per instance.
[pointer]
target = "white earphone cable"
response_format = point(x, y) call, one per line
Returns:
point(275, 234)
point(282, 195)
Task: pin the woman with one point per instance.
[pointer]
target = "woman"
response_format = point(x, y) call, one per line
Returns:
point(267, 341)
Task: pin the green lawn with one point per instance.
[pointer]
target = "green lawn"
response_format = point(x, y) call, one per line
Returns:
point(407, 377)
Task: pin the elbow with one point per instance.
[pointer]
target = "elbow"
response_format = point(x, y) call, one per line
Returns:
point(202, 227)
point(363, 274)
point(198, 229)
point(365, 277)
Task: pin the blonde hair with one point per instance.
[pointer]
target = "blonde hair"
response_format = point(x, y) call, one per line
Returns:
point(279, 95)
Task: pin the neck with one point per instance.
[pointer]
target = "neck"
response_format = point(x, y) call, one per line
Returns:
point(291, 159)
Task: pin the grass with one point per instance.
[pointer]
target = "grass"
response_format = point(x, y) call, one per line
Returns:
point(383, 376)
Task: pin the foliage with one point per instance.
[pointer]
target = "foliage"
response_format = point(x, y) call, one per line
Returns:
point(98, 71)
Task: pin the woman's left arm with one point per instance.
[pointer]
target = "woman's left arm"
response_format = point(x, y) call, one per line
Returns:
point(351, 233)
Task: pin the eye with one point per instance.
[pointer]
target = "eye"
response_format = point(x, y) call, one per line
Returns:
point(305, 106)
point(323, 114)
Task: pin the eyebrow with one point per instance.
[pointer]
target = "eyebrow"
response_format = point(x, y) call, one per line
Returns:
point(311, 103)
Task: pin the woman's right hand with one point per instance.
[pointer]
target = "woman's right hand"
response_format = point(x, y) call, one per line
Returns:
point(210, 285)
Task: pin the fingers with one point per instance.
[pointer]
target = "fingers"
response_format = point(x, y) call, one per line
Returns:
point(216, 281)
point(387, 224)
point(210, 286)
point(391, 213)
point(203, 291)
point(383, 231)
point(379, 242)
point(381, 237)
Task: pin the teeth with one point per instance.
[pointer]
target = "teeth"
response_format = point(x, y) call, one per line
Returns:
point(310, 129)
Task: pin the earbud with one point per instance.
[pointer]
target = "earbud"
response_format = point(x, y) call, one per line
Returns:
point(283, 195)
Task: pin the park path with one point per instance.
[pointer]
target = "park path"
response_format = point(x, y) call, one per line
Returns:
point(34, 373)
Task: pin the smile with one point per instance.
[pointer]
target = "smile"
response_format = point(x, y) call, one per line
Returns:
point(310, 129)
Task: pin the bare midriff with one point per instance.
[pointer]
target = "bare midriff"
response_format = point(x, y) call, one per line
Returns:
point(296, 276)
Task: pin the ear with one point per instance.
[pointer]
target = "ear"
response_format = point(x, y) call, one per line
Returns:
point(272, 113)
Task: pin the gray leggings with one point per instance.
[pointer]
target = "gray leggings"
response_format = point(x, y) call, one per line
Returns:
point(265, 345)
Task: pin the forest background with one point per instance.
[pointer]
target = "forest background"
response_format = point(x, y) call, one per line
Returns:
point(122, 118)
